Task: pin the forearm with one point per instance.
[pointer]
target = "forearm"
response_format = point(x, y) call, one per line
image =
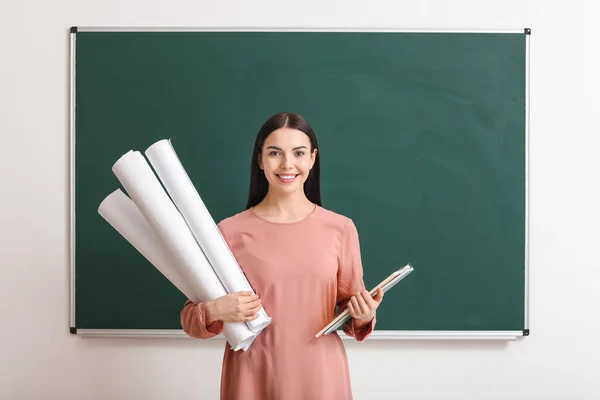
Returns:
point(359, 324)
point(359, 330)
point(195, 323)
point(209, 312)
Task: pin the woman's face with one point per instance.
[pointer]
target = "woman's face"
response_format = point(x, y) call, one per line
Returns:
point(286, 160)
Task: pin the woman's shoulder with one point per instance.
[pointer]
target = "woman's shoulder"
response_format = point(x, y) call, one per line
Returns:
point(235, 220)
point(334, 218)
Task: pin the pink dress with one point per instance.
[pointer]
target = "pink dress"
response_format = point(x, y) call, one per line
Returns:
point(301, 271)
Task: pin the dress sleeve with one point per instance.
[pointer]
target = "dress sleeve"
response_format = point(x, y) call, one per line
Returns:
point(350, 278)
point(193, 321)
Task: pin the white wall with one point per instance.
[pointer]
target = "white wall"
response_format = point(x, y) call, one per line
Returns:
point(40, 360)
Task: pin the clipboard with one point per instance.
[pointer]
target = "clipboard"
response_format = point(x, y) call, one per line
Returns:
point(385, 285)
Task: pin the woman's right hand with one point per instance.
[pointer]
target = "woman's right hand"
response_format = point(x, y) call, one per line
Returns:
point(234, 307)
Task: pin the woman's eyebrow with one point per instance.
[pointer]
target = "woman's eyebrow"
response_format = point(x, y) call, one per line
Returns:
point(277, 148)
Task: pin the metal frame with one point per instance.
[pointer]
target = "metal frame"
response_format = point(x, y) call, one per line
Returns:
point(288, 29)
point(72, 179)
point(376, 335)
point(527, 171)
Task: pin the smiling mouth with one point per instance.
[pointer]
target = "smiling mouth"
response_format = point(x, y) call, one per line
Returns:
point(287, 178)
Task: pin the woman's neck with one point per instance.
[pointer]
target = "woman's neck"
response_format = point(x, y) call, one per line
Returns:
point(289, 208)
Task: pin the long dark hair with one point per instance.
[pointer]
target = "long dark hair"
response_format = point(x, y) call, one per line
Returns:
point(258, 182)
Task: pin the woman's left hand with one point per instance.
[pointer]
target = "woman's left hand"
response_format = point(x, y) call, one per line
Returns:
point(362, 306)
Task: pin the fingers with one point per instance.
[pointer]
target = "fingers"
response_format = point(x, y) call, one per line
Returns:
point(248, 306)
point(252, 313)
point(362, 303)
point(251, 318)
point(378, 296)
point(243, 308)
point(252, 302)
point(351, 309)
point(246, 297)
point(249, 313)
point(253, 310)
point(370, 301)
point(355, 305)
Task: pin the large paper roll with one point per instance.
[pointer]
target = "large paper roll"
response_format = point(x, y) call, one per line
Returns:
point(122, 214)
point(172, 174)
point(158, 210)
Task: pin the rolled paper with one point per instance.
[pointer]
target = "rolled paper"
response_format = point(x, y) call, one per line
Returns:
point(145, 190)
point(168, 167)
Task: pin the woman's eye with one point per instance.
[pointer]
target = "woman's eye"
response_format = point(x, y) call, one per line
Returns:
point(300, 153)
point(274, 153)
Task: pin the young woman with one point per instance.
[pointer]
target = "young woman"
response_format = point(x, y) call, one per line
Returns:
point(302, 261)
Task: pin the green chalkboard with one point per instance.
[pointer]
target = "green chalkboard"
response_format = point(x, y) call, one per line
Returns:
point(422, 138)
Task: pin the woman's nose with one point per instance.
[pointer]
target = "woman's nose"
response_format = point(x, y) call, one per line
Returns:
point(286, 163)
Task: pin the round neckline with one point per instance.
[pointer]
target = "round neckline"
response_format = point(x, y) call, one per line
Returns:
point(251, 209)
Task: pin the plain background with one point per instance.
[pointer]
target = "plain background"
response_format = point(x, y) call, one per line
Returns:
point(39, 359)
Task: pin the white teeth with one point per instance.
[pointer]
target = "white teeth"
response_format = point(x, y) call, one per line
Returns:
point(287, 176)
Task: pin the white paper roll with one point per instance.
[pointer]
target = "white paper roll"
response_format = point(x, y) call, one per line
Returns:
point(172, 174)
point(122, 214)
point(158, 210)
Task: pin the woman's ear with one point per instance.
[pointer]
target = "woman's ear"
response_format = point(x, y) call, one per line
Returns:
point(260, 163)
point(313, 158)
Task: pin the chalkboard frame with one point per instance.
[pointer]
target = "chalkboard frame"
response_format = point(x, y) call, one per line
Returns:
point(377, 334)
